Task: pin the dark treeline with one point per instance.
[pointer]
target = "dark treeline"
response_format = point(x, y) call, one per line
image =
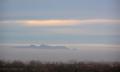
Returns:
point(36, 66)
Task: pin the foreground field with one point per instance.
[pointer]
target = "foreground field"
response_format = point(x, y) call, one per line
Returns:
point(35, 66)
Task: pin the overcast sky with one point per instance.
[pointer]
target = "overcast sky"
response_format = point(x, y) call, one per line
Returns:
point(60, 21)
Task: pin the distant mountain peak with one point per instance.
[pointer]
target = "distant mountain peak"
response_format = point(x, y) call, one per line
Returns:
point(43, 46)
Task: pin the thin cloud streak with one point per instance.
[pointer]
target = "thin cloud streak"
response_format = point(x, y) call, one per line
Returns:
point(77, 32)
point(51, 22)
point(61, 22)
point(96, 21)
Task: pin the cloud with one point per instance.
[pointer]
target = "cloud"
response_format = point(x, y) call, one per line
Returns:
point(61, 22)
point(51, 22)
point(97, 21)
point(70, 31)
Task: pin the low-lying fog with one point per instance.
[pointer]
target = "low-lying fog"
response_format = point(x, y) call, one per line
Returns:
point(74, 53)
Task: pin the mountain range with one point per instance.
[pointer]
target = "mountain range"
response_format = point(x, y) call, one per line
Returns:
point(43, 46)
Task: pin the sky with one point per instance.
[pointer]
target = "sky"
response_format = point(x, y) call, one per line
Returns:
point(60, 21)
